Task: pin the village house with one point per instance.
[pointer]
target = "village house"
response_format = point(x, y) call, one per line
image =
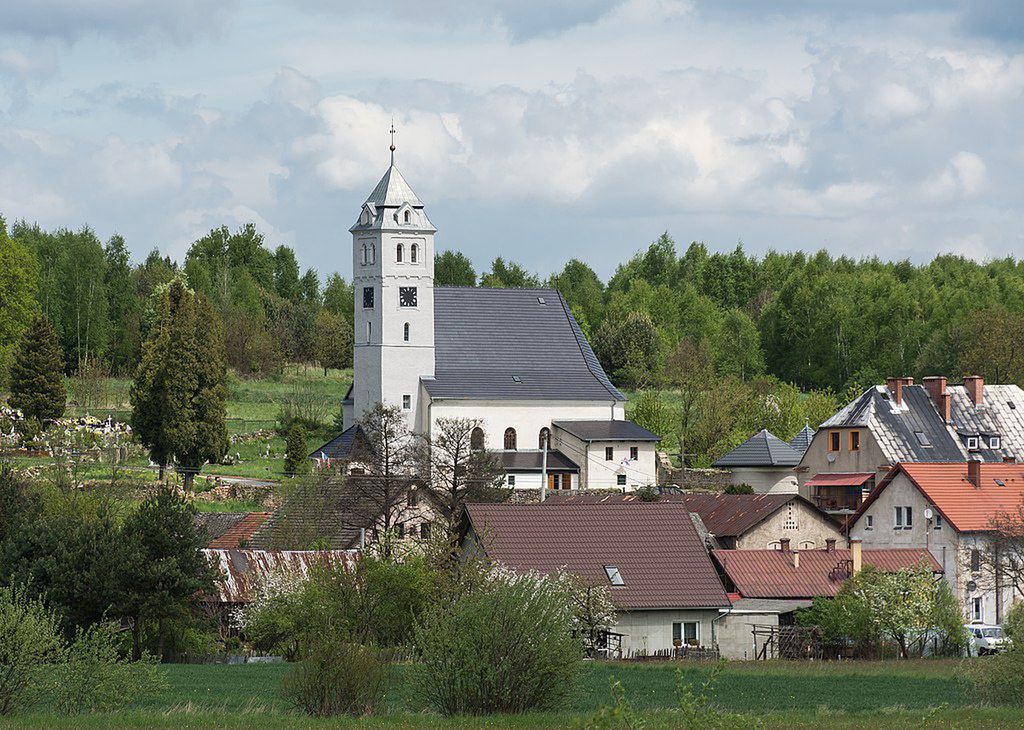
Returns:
point(739, 521)
point(948, 510)
point(904, 422)
point(649, 555)
point(513, 360)
point(766, 463)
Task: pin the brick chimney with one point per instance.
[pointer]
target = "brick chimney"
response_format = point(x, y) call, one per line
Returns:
point(784, 544)
point(974, 472)
point(830, 545)
point(796, 559)
point(936, 387)
point(855, 555)
point(975, 387)
point(895, 386)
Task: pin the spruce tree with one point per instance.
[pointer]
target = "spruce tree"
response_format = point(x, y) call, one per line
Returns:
point(37, 386)
point(295, 450)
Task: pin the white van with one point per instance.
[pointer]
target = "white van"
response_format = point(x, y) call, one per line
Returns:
point(984, 639)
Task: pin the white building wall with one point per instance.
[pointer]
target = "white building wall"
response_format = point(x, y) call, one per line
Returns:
point(532, 480)
point(735, 631)
point(526, 417)
point(767, 480)
point(651, 631)
point(596, 472)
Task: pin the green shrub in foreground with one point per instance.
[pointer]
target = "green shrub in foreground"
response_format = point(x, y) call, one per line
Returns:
point(505, 647)
point(29, 639)
point(997, 680)
point(338, 678)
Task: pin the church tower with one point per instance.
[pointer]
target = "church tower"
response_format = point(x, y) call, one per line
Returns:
point(393, 279)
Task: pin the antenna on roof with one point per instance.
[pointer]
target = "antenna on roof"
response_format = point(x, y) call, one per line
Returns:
point(392, 142)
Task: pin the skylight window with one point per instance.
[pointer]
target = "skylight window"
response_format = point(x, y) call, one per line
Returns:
point(1000, 482)
point(922, 438)
point(541, 300)
point(516, 379)
point(614, 576)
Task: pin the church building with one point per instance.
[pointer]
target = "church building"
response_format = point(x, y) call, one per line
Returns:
point(515, 360)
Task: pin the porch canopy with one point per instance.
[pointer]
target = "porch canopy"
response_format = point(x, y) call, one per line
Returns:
point(840, 479)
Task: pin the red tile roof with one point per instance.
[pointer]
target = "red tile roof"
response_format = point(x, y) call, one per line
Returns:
point(839, 479)
point(661, 558)
point(240, 533)
point(771, 574)
point(962, 504)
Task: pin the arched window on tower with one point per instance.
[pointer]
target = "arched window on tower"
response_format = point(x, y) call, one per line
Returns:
point(366, 255)
point(544, 439)
point(399, 253)
point(408, 217)
point(476, 439)
point(510, 439)
point(405, 332)
point(414, 253)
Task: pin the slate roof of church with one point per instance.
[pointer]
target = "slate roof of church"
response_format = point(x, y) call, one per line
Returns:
point(762, 449)
point(512, 344)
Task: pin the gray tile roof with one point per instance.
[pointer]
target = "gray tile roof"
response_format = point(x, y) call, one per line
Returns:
point(606, 430)
point(512, 344)
point(530, 461)
point(762, 449)
point(340, 447)
point(802, 440)
point(1001, 413)
point(393, 190)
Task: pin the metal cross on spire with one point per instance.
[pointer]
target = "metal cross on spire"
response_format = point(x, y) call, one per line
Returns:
point(392, 142)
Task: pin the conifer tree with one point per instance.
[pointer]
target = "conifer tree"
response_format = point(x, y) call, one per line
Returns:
point(295, 450)
point(37, 387)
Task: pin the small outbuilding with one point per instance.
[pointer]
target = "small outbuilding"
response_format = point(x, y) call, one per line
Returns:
point(765, 462)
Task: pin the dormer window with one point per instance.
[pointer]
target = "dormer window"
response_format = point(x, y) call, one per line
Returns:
point(972, 443)
point(408, 217)
point(994, 442)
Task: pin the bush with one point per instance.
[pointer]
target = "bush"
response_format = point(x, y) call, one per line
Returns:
point(29, 639)
point(1013, 624)
point(506, 647)
point(739, 489)
point(338, 678)
point(997, 680)
point(96, 677)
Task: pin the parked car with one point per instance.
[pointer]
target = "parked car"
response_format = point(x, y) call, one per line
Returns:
point(984, 639)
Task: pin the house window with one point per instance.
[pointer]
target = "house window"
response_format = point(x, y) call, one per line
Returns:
point(399, 529)
point(406, 402)
point(609, 453)
point(414, 253)
point(614, 576)
point(405, 332)
point(833, 441)
point(367, 297)
point(975, 561)
point(634, 453)
point(544, 438)
point(869, 522)
point(511, 480)
point(399, 253)
point(904, 519)
point(994, 442)
point(424, 531)
point(854, 440)
point(510, 439)
point(476, 439)
point(413, 498)
point(365, 259)
point(938, 521)
point(977, 611)
point(972, 443)
point(686, 633)
point(621, 480)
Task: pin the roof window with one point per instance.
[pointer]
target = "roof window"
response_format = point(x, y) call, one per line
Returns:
point(516, 379)
point(922, 438)
point(614, 576)
point(1012, 405)
point(541, 300)
point(1000, 482)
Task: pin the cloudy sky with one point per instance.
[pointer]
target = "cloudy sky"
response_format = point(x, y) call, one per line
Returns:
point(530, 132)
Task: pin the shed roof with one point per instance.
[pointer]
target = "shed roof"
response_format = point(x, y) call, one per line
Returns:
point(607, 430)
point(762, 449)
point(512, 344)
point(840, 479)
point(531, 461)
point(654, 546)
point(963, 505)
point(771, 573)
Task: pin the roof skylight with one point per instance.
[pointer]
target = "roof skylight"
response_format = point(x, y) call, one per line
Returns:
point(614, 576)
point(922, 438)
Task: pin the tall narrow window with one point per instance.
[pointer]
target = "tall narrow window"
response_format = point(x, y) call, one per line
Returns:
point(399, 253)
point(373, 253)
point(476, 439)
point(406, 402)
point(854, 440)
point(408, 217)
point(366, 255)
point(609, 453)
point(414, 253)
point(975, 561)
point(634, 453)
point(544, 439)
point(510, 439)
point(369, 331)
point(405, 332)
point(833, 441)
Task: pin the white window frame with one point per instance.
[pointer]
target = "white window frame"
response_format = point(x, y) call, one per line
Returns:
point(682, 632)
point(903, 518)
point(977, 609)
point(995, 442)
point(510, 479)
point(620, 480)
point(973, 443)
point(869, 522)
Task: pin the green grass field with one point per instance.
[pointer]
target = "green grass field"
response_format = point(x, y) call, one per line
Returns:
point(847, 695)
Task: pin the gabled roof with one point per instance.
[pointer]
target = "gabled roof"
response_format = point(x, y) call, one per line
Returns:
point(512, 344)
point(1001, 413)
point(654, 546)
point(895, 427)
point(532, 461)
point(393, 190)
point(761, 449)
point(802, 440)
point(606, 430)
point(724, 515)
point(962, 504)
point(341, 447)
point(771, 573)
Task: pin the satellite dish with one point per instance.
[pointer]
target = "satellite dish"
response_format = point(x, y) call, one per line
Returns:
point(927, 513)
point(831, 458)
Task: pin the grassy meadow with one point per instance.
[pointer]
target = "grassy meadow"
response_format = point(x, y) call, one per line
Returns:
point(773, 694)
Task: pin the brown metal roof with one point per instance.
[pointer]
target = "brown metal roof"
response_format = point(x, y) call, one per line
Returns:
point(662, 560)
point(772, 574)
point(239, 534)
point(725, 515)
point(243, 571)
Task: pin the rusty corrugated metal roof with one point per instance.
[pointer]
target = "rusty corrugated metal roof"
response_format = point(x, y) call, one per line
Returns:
point(243, 571)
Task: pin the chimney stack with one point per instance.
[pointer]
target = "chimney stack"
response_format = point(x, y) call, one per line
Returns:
point(975, 387)
point(796, 559)
point(830, 545)
point(895, 386)
point(936, 387)
point(784, 544)
point(855, 555)
point(974, 472)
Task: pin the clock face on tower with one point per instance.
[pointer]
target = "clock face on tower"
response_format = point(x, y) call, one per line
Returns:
point(407, 296)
